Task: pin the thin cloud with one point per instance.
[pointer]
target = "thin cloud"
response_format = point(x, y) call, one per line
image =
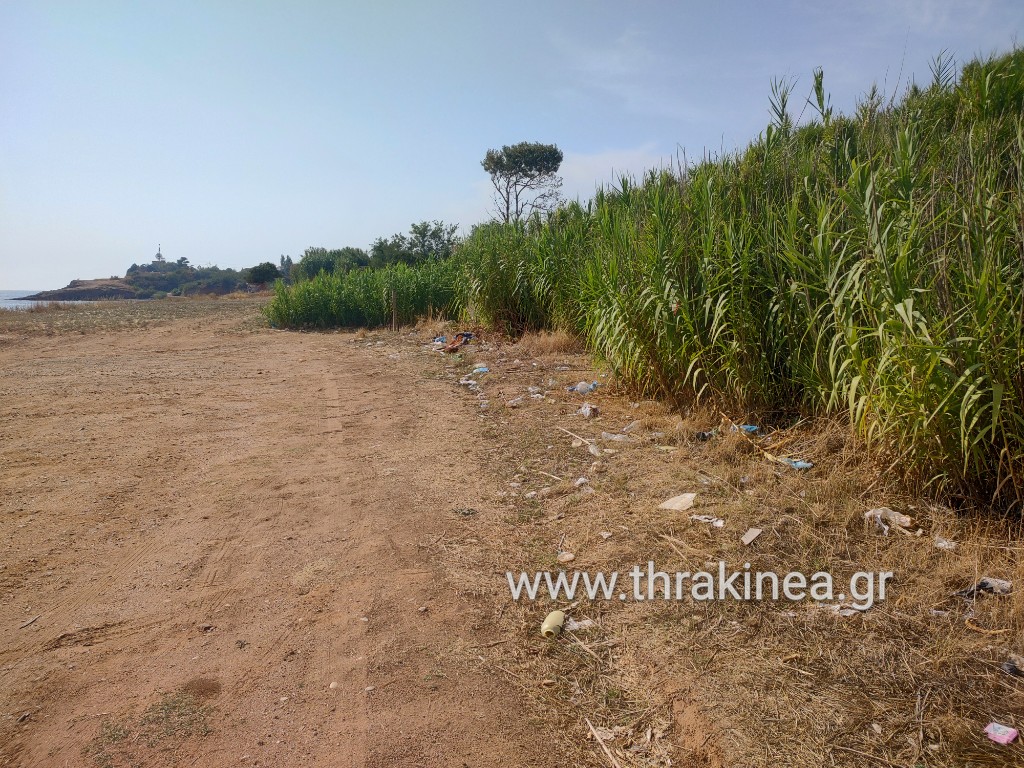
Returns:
point(625, 71)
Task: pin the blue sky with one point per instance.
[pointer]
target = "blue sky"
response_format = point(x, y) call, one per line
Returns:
point(232, 133)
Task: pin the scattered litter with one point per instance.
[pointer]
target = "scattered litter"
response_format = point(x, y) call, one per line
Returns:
point(705, 436)
point(1000, 734)
point(883, 517)
point(986, 584)
point(481, 369)
point(750, 429)
point(614, 437)
point(631, 427)
point(1014, 665)
point(717, 522)
point(579, 442)
point(679, 503)
point(566, 557)
point(580, 481)
point(594, 450)
point(572, 625)
point(588, 411)
point(458, 340)
point(583, 388)
point(440, 339)
point(941, 543)
point(842, 609)
point(465, 511)
point(797, 463)
point(750, 535)
point(515, 402)
point(606, 535)
point(552, 625)
point(530, 495)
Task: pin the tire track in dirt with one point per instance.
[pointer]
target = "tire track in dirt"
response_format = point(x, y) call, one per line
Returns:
point(271, 542)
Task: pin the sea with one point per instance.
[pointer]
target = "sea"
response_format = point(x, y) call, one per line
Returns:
point(9, 299)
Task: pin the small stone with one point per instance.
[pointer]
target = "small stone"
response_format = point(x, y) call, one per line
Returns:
point(566, 557)
point(284, 699)
point(333, 686)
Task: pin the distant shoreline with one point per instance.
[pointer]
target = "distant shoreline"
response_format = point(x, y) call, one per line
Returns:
point(86, 290)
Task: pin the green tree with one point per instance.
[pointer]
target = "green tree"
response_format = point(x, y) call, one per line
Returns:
point(426, 240)
point(349, 258)
point(286, 267)
point(263, 273)
point(432, 240)
point(391, 250)
point(525, 178)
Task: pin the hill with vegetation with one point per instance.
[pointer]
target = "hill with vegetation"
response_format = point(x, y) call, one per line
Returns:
point(162, 278)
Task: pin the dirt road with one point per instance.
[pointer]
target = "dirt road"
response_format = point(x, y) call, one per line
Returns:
point(217, 550)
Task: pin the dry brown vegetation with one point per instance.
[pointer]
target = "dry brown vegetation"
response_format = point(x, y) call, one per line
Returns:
point(911, 681)
point(55, 318)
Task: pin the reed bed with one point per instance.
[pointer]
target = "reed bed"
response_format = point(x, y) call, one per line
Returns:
point(394, 295)
point(866, 266)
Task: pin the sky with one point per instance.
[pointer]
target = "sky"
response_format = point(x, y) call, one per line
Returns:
point(231, 133)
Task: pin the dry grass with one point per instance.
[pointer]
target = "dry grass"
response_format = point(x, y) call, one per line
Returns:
point(545, 344)
point(40, 306)
point(55, 318)
point(910, 682)
point(163, 728)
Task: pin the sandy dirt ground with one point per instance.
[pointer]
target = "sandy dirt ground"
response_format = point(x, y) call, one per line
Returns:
point(217, 550)
point(226, 545)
